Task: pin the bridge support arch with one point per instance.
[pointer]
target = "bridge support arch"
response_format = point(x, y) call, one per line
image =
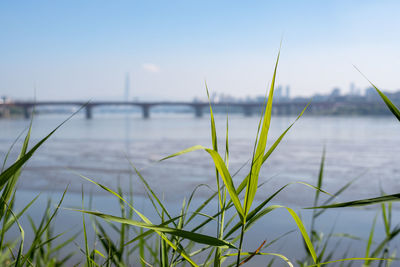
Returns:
point(88, 111)
point(27, 113)
point(146, 111)
point(247, 111)
point(198, 111)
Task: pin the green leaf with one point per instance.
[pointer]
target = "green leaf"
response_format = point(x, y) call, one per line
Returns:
point(223, 171)
point(148, 232)
point(99, 253)
point(262, 253)
point(257, 161)
point(255, 214)
point(361, 202)
point(272, 148)
point(145, 219)
point(213, 130)
point(151, 191)
point(349, 259)
point(304, 234)
point(370, 240)
point(9, 188)
point(199, 238)
point(385, 99)
point(388, 103)
point(10, 171)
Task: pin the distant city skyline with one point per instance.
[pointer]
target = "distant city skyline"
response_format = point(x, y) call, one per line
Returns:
point(86, 50)
point(281, 93)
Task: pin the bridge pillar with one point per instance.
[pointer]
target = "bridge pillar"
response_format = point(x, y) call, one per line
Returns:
point(248, 111)
point(198, 111)
point(88, 111)
point(146, 111)
point(27, 114)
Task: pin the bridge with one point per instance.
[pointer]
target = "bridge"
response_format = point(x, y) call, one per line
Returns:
point(248, 108)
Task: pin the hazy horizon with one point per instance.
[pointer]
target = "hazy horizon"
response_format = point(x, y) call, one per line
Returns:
point(83, 50)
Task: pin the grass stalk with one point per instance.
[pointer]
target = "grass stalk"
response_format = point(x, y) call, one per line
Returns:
point(240, 245)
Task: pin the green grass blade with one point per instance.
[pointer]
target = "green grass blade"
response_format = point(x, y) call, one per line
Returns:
point(105, 239)
point(148, 232)
point(272, 148)
point(10, 171)
point(205, 222)
point(226, 177)
point(11, 221)
point(87, 254)
point(145, 219)
point(388, 103)
point(303, 231)
point(262, 253)
point(64, 243)
point(384, 242)
point(122, 230)
point(385, 219)
point(213, 130)
point(10, 149)
point(261, 205)
point(259, 215)
point(349, 259)
point(187, 150)
point(361, 202)
point(255, 211)
point(151, 191)
point(320, 177)
point(9, 188)
point(385, 99)
point(370, 240)
point(163, 249)
point(299, 224)
point(199, 238)
point(337, 193)
point(43, 227)
point(316, 197)
point(257, 162)
point(22, 233)
point(223, 171)
point(202, 205)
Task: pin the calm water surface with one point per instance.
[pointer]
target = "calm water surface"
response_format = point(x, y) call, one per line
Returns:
point(101, 148)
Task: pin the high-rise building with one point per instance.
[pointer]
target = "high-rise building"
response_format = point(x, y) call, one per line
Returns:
point(278, 93)
point(335, 92)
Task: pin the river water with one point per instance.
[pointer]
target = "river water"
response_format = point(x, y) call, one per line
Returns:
point(365, 148)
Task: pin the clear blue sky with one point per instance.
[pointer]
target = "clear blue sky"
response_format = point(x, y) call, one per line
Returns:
point(82, 49)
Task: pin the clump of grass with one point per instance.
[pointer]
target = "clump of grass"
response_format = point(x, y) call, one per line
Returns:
point(176, 244)
point(40, 250)
point(226, 243)
point(382, 249)
point(180, 240)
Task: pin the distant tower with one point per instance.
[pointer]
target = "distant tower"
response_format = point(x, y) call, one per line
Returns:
point(127, 87)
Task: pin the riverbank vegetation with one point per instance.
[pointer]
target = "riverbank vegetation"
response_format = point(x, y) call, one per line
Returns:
point(133, 239)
